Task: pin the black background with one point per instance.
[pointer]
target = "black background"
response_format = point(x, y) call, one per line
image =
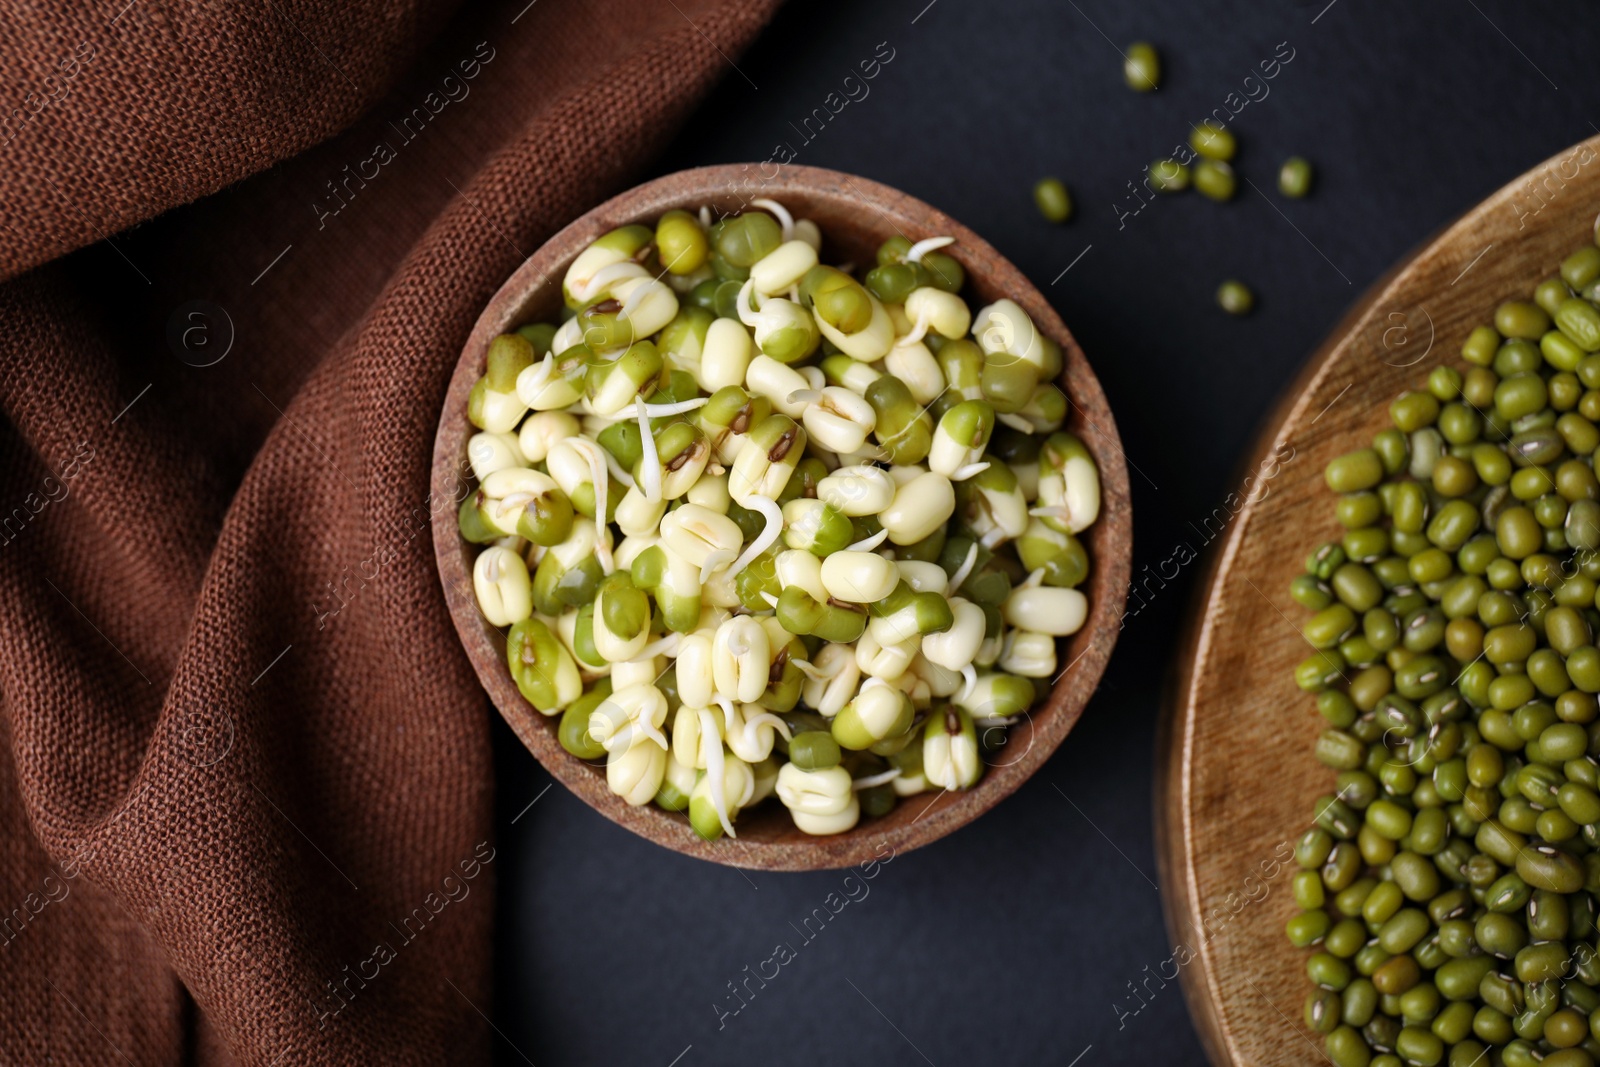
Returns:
point(1012, 941)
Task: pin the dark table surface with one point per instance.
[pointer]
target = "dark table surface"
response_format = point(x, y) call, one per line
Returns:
point(1014, 940)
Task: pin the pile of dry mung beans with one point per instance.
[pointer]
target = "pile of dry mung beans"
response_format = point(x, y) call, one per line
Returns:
point(1448, 887)
point(847, 516)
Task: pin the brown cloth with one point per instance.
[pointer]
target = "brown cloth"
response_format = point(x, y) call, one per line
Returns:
point(246, 784)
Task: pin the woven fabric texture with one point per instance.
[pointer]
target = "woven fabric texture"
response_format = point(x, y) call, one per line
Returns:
point(247, 804)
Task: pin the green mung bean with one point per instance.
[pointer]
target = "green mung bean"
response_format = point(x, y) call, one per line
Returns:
point(1168, 176)
point(1214, 179)
point(1050, 196)
point(1141, 67)
point(1457, 673)
point(1213, 140)
point(1234, 297)
point(1294, 177)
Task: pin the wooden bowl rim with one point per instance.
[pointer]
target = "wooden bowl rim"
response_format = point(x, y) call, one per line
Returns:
point(915, 821)
point(1175, 755)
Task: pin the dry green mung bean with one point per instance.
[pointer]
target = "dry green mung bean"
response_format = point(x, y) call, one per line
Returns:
point(1050, 196)
point(1213, 140)
point(1141, 67)
point(1294, 177)
point(1168, 176)
point(1235, 297)
point(1214, 179)
point(1456, 675)
point(1522, 319)
point(1354, 471)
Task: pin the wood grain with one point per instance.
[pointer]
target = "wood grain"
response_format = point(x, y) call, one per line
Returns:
point(1237, 777)
point(855, 216)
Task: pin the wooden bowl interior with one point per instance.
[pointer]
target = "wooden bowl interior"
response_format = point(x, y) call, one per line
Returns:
point(855, 217)
point(1238, 777)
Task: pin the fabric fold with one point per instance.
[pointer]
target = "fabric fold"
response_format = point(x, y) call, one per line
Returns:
point(249, 785)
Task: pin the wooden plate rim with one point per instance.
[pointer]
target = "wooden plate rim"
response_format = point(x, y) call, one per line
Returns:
point(1173, 786)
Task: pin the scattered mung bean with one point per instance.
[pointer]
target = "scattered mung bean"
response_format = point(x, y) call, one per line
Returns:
point(1294, 177)
point(1052, 199)
point(1141, 67)
point(1214, 179)
point(1235, 297)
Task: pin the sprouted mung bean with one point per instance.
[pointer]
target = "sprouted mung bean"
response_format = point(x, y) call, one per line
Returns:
point(755, 526)
point(1448, 885)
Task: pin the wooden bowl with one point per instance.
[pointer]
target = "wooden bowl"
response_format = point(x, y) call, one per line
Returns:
point(855, 216)
point(1237, 776)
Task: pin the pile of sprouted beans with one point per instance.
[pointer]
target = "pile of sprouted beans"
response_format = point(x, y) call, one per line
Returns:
point(840, 519)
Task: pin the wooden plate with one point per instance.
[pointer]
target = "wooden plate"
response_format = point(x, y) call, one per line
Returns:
point(1237, 777)
point(855, 216)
